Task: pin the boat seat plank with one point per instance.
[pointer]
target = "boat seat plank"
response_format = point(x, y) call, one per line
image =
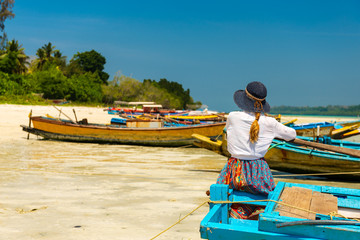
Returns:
point(245, 196)
point(341, 191)
point(297, 197)
point(323, 203)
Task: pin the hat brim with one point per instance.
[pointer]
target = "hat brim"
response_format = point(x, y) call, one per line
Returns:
point(247, 104)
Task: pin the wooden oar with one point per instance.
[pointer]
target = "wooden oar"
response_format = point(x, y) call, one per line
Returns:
point(75, 115)
point(64, 114)
point(343, 150)
point(30, 115)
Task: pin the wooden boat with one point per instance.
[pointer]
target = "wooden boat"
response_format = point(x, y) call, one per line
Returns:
point(336, 130)
point(152, 135)
point(138, 108)
point(209, 117)
point(317, 129)
point(290, 157)
point(351, 133)
point(292, 211)
point(346, 129)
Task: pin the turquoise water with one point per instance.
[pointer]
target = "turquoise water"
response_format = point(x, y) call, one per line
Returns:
point(321, 116)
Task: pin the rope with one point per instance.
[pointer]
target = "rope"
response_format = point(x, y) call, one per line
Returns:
point(331, 214)
point(315, 174)
point(275, 145)
point(180, 220)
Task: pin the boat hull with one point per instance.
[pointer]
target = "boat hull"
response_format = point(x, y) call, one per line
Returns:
point(218, 224)
point(296, 159)
point(305, 160)
point(170, 136)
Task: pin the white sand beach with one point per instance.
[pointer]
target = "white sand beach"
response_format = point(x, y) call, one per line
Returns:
point(59, 190)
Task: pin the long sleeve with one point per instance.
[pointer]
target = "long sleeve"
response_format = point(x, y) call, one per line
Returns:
point(284, 132)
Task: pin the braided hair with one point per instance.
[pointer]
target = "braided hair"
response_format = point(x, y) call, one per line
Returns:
point(255, 128)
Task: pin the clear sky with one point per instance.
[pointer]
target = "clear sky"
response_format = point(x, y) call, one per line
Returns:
point(307, 53)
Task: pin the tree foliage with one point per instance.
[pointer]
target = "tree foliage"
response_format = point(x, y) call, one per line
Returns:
point(330, 110)
point(5, 13)
point(82, 80)
point(176, 89)
point(48, 56)
point(90, 61)
point(13, 59)
point(169, 94)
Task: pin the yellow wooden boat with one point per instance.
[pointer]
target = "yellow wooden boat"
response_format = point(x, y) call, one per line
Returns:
point(346, 129)
point(351, 133)
point(319, 129)
point(210, 117)
point(60, 129)
point(293, 158)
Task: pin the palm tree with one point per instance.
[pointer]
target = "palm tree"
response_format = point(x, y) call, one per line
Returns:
point(13, 58)
point(41, 60)
point(59, 59)
point(48, 51)
point(47, 55)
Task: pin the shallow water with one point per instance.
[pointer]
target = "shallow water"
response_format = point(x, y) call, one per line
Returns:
point(60, 190)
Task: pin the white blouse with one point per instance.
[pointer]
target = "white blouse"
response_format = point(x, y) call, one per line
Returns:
point(238, 135)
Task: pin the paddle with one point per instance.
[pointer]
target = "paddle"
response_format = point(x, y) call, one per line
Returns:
point(343, 150)
point(63, 114)
point(30, 115)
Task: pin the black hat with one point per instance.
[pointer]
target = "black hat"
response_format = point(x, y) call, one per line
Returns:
point(254, 92)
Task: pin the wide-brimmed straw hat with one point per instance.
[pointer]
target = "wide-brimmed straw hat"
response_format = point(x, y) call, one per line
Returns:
point(252, 99)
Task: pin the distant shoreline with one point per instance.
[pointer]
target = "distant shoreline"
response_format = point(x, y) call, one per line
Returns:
point(320, 116)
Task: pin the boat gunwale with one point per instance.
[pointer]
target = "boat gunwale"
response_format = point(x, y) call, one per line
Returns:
point(88, 139)
point(109, 127)
point(281, 145)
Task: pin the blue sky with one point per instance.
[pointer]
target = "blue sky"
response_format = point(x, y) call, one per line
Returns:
point(307, 53)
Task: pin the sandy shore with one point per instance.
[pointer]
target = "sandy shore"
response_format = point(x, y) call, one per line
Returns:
point(58, 190)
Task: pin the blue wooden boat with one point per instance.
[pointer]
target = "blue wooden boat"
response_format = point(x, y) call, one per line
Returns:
point(314, 220)
point(313, 129)
point(290, 157)
point(294, 158)
point(336, 130)
point(118, 121)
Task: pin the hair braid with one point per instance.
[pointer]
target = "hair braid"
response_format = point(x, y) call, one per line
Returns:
point(254, 129)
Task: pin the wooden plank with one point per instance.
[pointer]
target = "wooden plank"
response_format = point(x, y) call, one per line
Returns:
point(348, 151)
point(219, 192)
point(323, 203)
point(349, 212)
point(296, 198)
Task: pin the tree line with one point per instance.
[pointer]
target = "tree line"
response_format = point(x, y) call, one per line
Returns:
point(81, 80)
point(330, 110)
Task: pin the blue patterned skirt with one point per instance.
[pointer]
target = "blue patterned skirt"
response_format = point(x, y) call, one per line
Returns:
point(253, 176)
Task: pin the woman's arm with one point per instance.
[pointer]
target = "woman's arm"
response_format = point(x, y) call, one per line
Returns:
point(284, 132)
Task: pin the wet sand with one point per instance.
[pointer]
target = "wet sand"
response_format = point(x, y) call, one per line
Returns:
point(59, 190)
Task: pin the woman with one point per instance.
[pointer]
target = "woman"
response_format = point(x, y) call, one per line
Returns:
point(249, 135)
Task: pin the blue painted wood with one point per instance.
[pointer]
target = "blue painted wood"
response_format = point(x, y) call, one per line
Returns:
point(320, 153)
point(311, 125)
point(214, 227)
point(245, 230)
point(245, 196)
point(330, 232)
point(274, 195)
point(341, 191)
point(219, 192)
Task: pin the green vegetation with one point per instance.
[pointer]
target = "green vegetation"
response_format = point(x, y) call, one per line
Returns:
point(327, 111)
point(167, 93)
point(82, 80)
point(5, 13)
